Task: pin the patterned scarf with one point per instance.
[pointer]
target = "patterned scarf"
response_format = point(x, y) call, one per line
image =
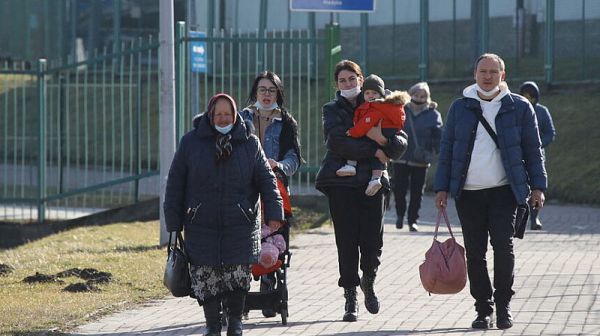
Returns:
point(224, 147)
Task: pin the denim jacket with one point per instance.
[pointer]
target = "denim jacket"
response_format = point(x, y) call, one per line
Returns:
point(290, 161)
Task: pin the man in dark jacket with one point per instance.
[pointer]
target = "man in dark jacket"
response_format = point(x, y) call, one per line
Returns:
point(531, 91)
point(489, 172)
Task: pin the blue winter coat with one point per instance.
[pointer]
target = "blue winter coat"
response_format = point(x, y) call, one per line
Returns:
point(428, 129)
point(544, 119)
point(518, 138)
point(545, 124)
point(216, 204)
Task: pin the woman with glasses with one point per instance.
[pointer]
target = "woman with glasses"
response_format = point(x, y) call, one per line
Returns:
point(357, 218)
point(277, 131)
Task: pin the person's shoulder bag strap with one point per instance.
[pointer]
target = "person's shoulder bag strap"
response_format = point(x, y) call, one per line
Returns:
point(412, 128)
point(487, 126)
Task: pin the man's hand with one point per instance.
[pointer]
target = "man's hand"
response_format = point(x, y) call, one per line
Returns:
point(441, 199)
point(272, 163)
point(537, 199)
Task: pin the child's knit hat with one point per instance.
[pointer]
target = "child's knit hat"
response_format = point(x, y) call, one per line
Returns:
point(375, 83)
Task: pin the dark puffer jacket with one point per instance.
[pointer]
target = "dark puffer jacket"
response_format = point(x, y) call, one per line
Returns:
point(518, 138)
point(337, 119)
point(217, 203)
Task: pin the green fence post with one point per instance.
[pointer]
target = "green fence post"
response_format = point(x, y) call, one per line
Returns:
point(333, 51)
point(484, 16)
point(42, 140)
point(549, 66)
point(424, 47)
point(180, 47)
point(364, 43)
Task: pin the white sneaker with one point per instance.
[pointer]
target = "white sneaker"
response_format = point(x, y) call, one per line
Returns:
point(373, 187)
point(346, 170)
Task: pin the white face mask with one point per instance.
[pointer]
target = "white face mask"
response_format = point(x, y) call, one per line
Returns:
point(487, 93)
point(350, 93)
point(260, 107)
point(224, 130)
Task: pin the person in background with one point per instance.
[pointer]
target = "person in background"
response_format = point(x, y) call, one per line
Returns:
point(357, 218)
point(389, 109)
point(531, 91)
point(277, 131)
point(410, 172)
point(217, 175)
point(490, 171)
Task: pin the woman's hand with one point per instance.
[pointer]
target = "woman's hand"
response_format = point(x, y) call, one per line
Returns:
point(381, 156)
point(272, 163)
point(375, 134)
point(274, 225)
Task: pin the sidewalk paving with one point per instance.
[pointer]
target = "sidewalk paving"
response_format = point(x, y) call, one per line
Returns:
point(557, 282)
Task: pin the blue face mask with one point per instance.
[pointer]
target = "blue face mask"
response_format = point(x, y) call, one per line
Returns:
point(260, 107)
point(225, 129)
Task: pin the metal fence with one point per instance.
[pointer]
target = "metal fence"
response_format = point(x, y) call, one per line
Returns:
point(550, 41)
point(82, 138)
point(435, 40)
point(79, 138)
point(234, 59)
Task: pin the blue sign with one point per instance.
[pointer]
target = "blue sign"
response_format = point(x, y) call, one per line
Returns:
point(333, 5)
point(198, 52)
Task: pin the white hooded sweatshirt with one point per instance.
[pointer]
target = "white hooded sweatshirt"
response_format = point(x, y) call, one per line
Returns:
point(486, 169)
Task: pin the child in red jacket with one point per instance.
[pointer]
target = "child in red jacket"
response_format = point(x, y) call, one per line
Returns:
point(390, 110)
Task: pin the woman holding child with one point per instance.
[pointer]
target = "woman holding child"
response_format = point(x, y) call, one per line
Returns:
point(357, 217)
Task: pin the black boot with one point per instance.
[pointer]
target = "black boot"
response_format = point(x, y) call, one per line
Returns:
point(504, 318)
point(351, 314)
point(212, 314)
point(235, 306)
point(484, 320)
point(371, 301)
point(399, 223)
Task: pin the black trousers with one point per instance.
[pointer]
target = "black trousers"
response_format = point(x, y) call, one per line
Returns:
point(489, 213)
point(406, 176)
point(358, 224)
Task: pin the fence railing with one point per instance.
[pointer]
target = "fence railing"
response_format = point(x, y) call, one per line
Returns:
point(79, 138)
point(234, 59)
point(83, 137)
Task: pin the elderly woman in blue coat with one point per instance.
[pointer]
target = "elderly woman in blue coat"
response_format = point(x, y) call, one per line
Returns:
point(213, 188)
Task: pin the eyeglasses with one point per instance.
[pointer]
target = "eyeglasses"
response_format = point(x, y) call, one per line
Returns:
point(263, 90)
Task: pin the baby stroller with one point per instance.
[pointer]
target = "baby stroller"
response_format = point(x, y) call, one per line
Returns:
point(272, 298)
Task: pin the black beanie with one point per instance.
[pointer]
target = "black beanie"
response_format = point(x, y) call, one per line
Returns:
point(375, 83)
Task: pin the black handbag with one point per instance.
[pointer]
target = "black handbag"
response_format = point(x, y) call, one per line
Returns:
point(177, 272)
